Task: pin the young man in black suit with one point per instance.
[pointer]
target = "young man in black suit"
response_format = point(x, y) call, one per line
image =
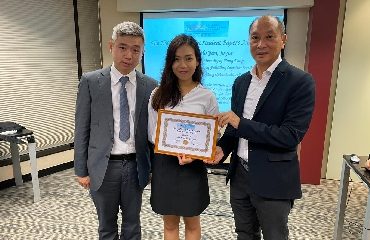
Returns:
point(271, 109)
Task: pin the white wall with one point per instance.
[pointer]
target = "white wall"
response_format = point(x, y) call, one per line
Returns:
point(165, 5)
point(297, 27)
point(350, 131)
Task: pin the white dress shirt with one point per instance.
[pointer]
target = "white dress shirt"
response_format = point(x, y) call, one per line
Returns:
point(199, 100)
point(255, 90)
point(120, 147)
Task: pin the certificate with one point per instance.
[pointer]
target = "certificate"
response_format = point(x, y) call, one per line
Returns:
point(192, 134)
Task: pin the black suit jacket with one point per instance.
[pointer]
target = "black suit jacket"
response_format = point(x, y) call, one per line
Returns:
point(281, 119)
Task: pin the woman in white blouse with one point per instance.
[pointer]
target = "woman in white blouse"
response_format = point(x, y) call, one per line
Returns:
point(179, 185)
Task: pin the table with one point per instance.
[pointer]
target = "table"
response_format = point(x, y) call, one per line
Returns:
point(18, 138)
point(364, 175)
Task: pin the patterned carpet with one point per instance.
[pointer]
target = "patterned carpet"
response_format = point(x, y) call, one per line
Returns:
point(66, 212)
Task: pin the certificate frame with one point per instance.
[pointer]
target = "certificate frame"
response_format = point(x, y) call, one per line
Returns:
point(181, 132)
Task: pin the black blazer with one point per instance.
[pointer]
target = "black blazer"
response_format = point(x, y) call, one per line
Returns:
point(281, 119)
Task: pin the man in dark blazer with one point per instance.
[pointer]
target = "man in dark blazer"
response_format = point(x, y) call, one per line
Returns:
point(272, 106)
point(112, 154)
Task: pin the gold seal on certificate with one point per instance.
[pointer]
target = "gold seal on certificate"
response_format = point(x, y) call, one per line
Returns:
point(192, 134)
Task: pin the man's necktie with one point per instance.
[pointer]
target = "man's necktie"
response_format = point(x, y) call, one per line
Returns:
point(244, 163)
point(124, 132)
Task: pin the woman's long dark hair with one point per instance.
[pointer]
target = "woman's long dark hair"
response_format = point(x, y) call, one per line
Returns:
point(168, 92)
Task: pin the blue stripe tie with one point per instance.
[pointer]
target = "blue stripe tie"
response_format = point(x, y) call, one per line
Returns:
point(124, 132)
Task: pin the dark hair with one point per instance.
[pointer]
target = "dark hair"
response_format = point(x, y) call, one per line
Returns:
point(168, 92)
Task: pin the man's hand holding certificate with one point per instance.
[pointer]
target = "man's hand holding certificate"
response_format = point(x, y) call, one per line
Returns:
point(228, 118)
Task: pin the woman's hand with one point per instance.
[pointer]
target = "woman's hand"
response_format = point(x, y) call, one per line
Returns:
point(219, 154)
point(183, 159)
